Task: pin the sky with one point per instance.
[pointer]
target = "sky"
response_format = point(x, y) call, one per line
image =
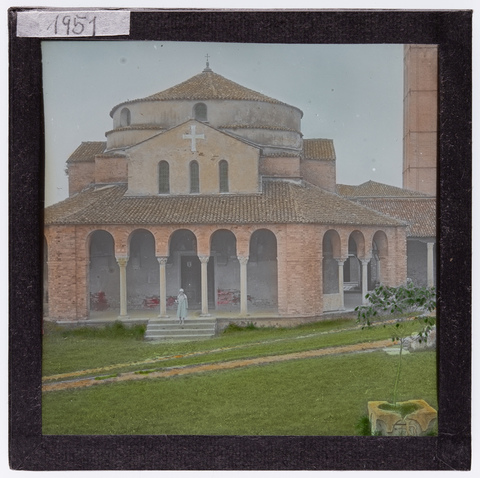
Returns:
point(352, 94)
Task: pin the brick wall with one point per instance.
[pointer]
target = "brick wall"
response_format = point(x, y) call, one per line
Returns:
point(299, 261)
point(280, 167)
point(320, 173)
point(80, 175)
point(62, 286)
point(420, 118)
point(110, 170)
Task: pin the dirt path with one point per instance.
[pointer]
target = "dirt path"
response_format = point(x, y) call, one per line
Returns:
point(197, 353)
point(209, 367)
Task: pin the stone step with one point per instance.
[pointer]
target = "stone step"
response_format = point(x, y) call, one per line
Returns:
point(170, 329)
point(176, 321)
point(181, 330)
point(179, 338)
point(177, 325)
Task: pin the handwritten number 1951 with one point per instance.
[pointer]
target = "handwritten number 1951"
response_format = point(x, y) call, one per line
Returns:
point(74, 25)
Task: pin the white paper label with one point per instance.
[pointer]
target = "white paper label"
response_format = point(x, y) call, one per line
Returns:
point(72, 24)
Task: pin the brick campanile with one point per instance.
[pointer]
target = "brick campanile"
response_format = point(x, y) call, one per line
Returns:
point(420, 118)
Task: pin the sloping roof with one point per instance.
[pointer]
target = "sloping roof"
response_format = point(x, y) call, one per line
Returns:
point(86, 152)
point(419, 213)
point(280, 202)
point(319, 149)
point(206, 86)
point(374, 189)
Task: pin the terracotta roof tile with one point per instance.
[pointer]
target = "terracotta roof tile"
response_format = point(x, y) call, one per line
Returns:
point(419, 213)
point(206, 86)
point(280, 202)
point(86, 151)
point(319, 149)
point(255, 126)
point(135, 127)
point(374, 189)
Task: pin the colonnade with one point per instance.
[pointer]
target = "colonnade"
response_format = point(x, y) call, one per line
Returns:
point(162, 261)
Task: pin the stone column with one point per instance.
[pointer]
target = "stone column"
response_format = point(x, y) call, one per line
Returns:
point(243, 284)
point(341, 263)
point(379, 269)
point(162, 260)
point(122, 262)
point(364, 279)
point(204, 283)
point(430, 275)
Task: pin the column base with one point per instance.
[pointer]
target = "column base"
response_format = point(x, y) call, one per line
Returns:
point(205, 315)
point(123, 317)
point(163, 316)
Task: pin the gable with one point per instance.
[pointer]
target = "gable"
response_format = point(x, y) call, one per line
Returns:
point(192, 141)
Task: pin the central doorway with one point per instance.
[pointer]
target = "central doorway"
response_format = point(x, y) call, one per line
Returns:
point(191, 280)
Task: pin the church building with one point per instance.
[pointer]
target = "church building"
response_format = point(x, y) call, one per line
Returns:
point(211, 187)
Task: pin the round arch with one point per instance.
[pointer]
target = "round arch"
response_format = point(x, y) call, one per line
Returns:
point(331, 245)
point(200, 112)
point(125, 117)
point(380, 244)
point(356, 244)
point(103, 271)
point(262, 269)
point(352, 269)
point(143, 275)
point(377, 265)
point(183, 269)
point(331, 250)
point(224, 277)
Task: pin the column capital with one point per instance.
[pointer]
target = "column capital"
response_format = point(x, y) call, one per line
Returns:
point(203, 259)
point(341, 260)
point(122, 261)
point(365, 260)
point(162, 260)
point(242, 259)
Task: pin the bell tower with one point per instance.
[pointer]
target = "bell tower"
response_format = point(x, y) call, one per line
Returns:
point(420, 118)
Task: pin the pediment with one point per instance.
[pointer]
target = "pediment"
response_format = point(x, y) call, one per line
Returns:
point(193, 138)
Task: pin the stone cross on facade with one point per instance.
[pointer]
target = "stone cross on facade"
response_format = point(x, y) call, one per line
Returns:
point(193, 137)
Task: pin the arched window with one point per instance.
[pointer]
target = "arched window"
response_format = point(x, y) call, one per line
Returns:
point(194, 178)
point(125, 117)
point(223, 172)
point(163, 177)
point(200, 112)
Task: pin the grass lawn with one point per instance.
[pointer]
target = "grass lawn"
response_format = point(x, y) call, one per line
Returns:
point(85, 349)
point(321, 396)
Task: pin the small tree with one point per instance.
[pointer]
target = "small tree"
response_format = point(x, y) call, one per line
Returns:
point(396, 302)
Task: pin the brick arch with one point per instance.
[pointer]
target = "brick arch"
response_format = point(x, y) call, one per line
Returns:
point(379, 263)
point(359, 240)
point(89, 236)
point(136, 231)
point(332, 237)
point(176, 231)
point(264, 230)
point(102, 271)
point(381, 241)
point(262, 268)
point(223, 231)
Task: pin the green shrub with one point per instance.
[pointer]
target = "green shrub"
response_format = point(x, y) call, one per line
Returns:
point(363, 426)
point(233, 327)
point(117, 330)
point(395, 303)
